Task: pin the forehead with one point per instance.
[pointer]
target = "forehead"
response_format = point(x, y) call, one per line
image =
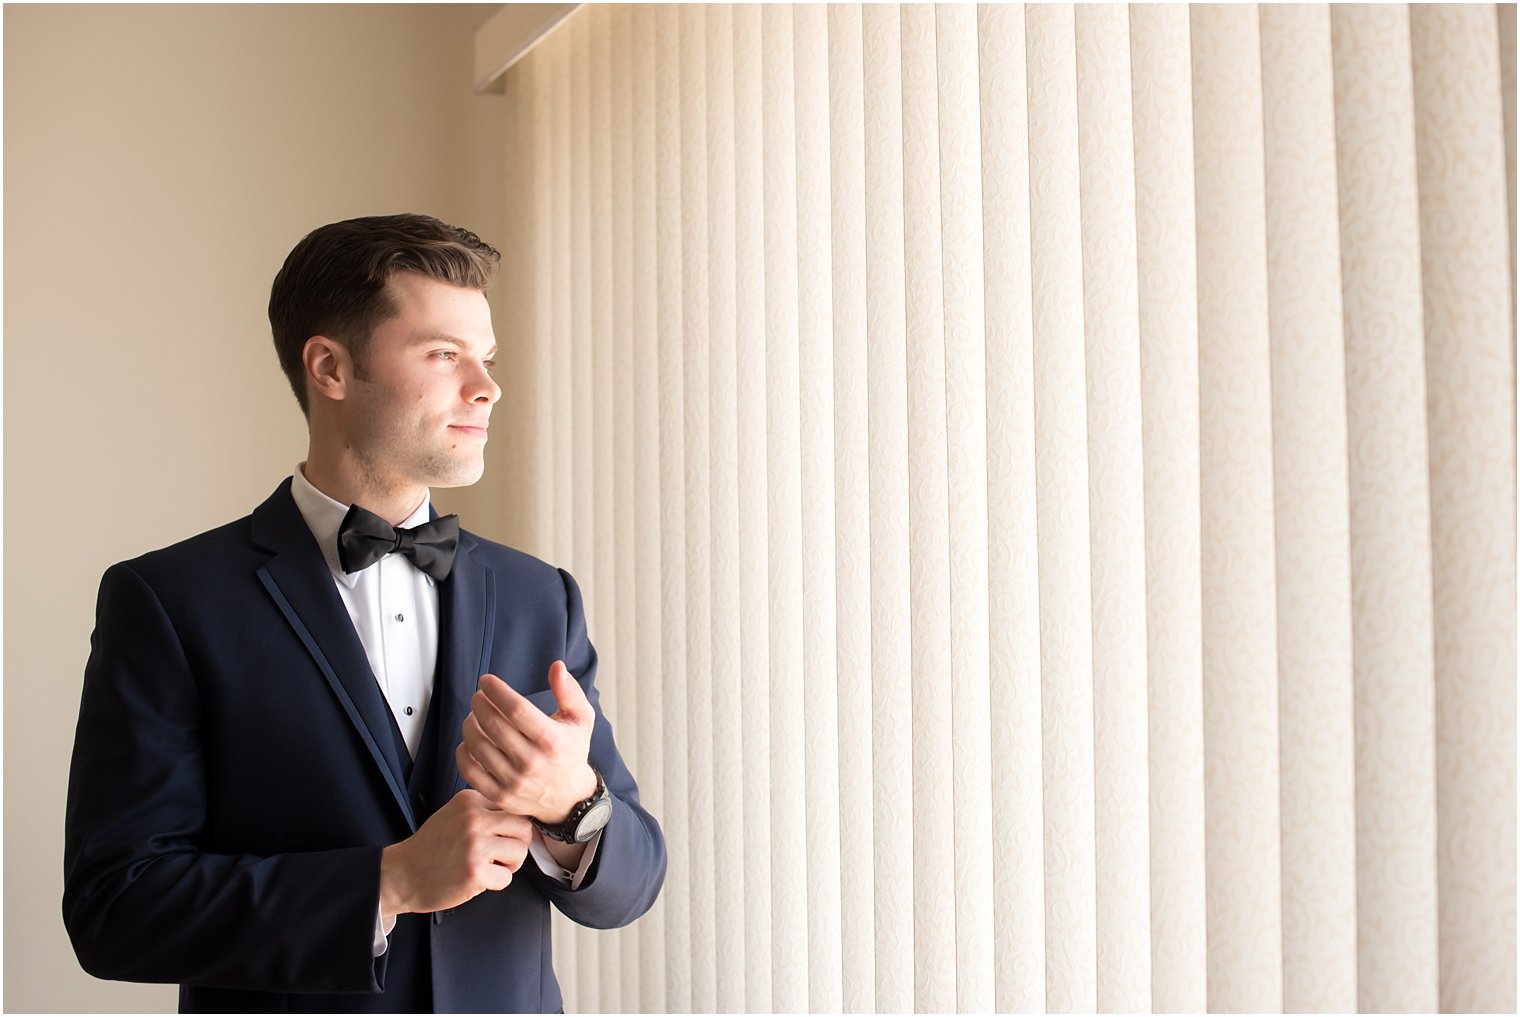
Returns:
point(427, 308)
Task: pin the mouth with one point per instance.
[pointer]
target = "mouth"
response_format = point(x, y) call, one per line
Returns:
point(472, 430)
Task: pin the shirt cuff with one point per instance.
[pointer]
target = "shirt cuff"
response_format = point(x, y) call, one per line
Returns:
point(382, 929)
point(551, 868)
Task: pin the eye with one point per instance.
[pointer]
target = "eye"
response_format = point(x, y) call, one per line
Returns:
point(490, 366)
point(449, 355)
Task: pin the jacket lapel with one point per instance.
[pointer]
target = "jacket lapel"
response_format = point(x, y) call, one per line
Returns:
point(297, 577)
point(466, 617)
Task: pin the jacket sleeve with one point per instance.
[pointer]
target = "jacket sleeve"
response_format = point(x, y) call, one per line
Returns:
point(629, 867)
point(142, 901)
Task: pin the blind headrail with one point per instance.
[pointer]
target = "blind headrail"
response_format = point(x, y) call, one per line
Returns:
point(509, 35)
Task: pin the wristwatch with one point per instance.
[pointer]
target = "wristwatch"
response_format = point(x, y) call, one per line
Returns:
point(586, 818)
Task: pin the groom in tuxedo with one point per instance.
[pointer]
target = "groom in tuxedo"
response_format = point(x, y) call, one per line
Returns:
point(341, 755)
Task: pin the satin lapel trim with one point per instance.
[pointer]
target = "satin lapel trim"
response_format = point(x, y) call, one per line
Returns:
point(466, 623)
point(323, 625)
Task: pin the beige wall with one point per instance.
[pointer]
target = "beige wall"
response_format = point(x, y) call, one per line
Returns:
point(159, 163)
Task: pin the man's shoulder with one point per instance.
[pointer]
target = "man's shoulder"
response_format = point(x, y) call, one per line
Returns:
point(203, 553)
point(207, 555)
point(522, 581)
point(502, 558)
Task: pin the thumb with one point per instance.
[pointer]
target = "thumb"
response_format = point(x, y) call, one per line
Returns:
point(573, 705)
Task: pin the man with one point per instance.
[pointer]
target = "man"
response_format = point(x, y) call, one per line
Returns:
point(298, 782)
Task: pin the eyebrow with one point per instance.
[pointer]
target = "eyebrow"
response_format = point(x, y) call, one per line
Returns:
point(424, 340)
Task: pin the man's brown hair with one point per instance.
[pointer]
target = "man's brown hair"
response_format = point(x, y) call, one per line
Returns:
point(333, 282)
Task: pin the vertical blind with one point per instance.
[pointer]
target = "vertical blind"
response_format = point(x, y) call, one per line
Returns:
point(1043, 480)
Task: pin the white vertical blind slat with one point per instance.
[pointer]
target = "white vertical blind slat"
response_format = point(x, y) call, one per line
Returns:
point(789, 948)
point(960, 201)
point(1467, 288)
point(649, 616)
point(673, 594)
point(1507, 33)
point(1018, 881)
point(934, 968)
point(694, 291)
point(601, 610)
point(1116, 502)
point(581, 508)
point(1313, 527)
point(1393, 635)
point(558, 71)
point(754, 636)
point(537, 152)
point(522, 285)
point(1066, 663)
point(629, 678)
point(600, 360)
point(891, 650)
point(1168, 317)
point(852, 519)
point(728, 770)
point(1236, 513)
point(582, 504)
point(620, 378)
point(815, 361)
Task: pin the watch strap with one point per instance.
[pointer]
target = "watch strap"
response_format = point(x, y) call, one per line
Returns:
point(566, 832)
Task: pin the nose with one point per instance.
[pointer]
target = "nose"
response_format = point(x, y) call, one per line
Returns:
point(482, 387)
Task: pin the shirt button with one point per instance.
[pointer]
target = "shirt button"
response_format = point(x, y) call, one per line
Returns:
point(408, 711)
point(401, 617)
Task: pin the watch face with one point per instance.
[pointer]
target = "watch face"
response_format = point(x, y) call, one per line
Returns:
point(595, 818)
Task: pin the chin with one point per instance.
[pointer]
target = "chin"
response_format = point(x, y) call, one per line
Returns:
point(458, 475)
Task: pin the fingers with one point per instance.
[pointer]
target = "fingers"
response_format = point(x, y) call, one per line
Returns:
point(506, 852)
point(498, 746)
point(467, 846)
point(501, 838)
point(529, 720)
point(573, 704)
point(518, 757)
point(519, 779)
point(512, 706)
point(477, 776)
point(488, 819)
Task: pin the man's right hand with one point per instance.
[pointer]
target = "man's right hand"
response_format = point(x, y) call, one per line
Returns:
point(464, 848)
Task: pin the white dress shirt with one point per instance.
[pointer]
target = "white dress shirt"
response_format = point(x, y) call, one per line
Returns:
point(394, 608)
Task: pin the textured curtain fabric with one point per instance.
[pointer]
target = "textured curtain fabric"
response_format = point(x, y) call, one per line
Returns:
point(1043, 481)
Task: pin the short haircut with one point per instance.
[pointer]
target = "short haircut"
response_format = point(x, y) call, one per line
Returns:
point(333, 282)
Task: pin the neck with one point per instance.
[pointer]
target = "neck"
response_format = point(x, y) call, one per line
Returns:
point(347, 482)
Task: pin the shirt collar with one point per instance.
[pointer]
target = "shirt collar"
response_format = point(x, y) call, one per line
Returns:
point(324, 515)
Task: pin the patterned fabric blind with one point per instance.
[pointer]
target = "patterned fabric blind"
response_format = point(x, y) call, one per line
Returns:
point(1043, 480)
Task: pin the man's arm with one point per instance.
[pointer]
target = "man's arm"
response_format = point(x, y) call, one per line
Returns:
point(537, 765)
point(141, 901)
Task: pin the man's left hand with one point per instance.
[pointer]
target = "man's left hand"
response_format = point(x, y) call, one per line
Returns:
point(522, 760)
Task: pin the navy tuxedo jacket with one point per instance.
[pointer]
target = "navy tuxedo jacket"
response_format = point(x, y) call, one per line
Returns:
point(236, 773)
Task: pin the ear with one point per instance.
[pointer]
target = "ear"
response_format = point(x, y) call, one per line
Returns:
point(329, 368)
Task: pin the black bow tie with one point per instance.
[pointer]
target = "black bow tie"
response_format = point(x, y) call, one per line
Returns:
point(365, 538)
